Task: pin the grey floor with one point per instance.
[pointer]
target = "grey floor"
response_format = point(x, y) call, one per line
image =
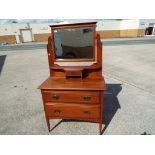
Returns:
point(129, 71)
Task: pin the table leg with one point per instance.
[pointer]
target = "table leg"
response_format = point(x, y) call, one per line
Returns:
point(48, 123)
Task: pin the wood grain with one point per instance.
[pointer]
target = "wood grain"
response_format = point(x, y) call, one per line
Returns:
point(74, 92)
point(72, 96)
point(73, 84)
point(71, 111)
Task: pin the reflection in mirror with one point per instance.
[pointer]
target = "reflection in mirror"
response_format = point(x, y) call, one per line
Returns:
point(74, 43)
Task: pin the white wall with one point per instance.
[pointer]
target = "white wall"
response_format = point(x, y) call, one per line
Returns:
point(144, 23)
point(129, 24)
point(11, 29)
point(125, 24)
point(40, 28)
point(108, 25)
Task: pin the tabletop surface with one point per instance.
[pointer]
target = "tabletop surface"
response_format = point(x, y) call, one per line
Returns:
point(73, 84)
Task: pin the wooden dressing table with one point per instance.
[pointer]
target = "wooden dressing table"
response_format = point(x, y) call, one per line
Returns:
point(75, 88)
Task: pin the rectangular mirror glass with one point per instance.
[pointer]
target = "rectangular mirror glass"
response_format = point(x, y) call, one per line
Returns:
point(74, 43)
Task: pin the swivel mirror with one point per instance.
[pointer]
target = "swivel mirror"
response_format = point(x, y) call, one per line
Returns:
point(74, 43)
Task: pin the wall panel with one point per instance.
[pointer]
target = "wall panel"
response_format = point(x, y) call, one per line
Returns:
point(10, 39)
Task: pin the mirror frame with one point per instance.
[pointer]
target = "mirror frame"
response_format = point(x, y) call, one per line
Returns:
point(71, 26)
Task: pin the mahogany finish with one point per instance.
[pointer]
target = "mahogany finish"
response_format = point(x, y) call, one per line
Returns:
point(74, 92)
point(73, 111)
point(72, 96)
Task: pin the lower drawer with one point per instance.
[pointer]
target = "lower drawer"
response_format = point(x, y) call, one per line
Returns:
point(72, 111)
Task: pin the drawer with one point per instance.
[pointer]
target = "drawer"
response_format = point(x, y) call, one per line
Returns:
point(71, 96)
point(72, 111)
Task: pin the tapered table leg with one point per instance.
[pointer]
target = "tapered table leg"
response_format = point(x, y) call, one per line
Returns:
point(48, 123)
point(100, 128)
point(101, 96)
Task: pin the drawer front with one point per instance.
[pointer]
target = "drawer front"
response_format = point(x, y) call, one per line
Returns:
point(72, 96)
point(73, 111)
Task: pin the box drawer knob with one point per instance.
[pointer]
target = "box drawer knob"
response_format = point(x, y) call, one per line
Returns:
point(87, 98)
point(87, 112)
point(57, 111)
point(55, 97)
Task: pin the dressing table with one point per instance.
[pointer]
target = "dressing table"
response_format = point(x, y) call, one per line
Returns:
point(75, 88)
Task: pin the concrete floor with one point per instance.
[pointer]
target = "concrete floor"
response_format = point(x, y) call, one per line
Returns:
point(129, 72)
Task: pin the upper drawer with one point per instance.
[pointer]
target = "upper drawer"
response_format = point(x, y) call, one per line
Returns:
point(71, 96)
